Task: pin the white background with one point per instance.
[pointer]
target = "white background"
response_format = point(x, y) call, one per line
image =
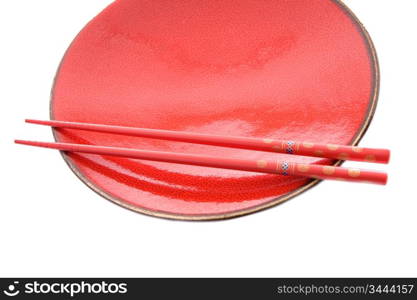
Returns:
point(51, 224)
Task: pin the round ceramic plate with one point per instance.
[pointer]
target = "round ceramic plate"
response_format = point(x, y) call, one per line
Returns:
point(301, 70)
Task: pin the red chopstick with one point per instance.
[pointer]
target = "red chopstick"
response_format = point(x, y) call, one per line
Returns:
point(332, 151)
point(263, 166)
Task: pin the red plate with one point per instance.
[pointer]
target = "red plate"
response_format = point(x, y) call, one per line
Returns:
point(301, 70)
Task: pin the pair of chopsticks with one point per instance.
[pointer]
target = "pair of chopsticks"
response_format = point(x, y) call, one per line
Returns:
point(341, 152)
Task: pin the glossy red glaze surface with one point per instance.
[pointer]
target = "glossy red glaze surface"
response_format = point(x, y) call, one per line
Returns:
point(297, 70)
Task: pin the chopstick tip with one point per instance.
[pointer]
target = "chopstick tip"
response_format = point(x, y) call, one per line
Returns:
point(33, 121)
point(29, 143)
point(23, 142)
